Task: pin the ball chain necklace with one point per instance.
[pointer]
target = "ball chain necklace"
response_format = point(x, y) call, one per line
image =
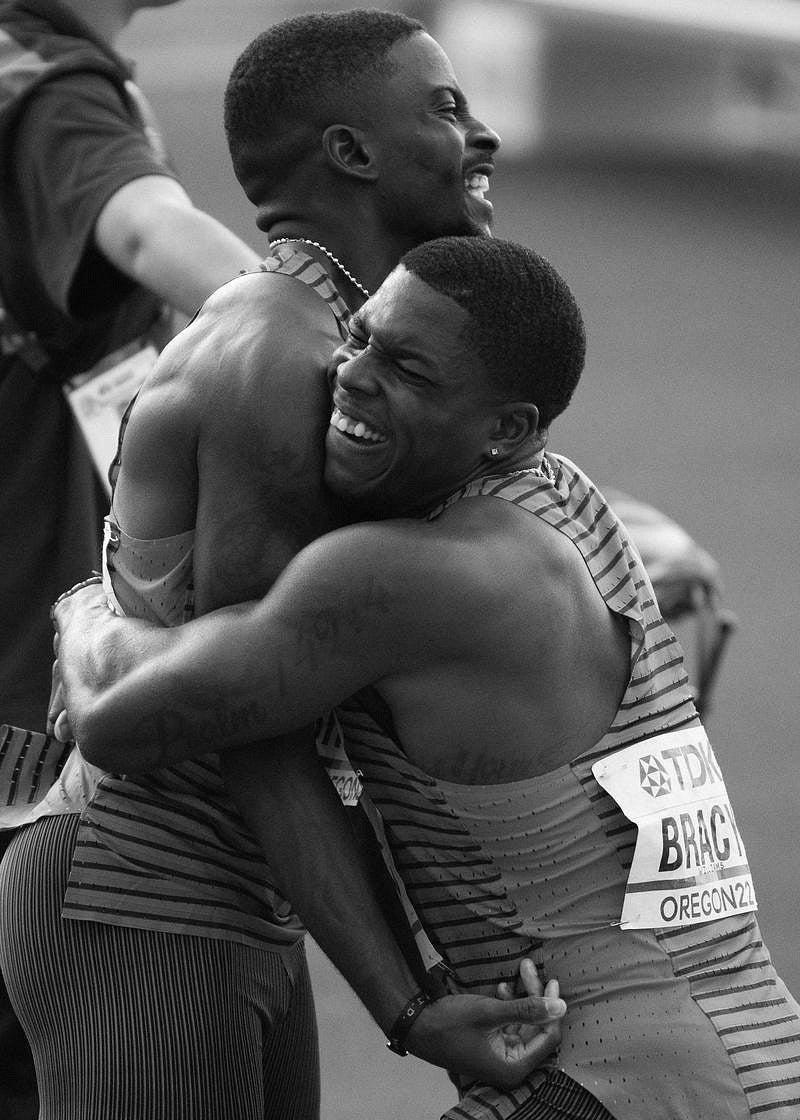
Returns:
point(328, 253)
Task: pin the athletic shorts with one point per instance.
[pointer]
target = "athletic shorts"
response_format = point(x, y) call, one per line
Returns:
point(133, 1023)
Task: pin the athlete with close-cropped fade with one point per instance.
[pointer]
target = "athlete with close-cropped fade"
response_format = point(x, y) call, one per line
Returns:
point(170, 980)
point(523, 719)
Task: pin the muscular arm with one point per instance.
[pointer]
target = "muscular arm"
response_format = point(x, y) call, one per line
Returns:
point(331, 624)
point(330, 879)
point(320, 862)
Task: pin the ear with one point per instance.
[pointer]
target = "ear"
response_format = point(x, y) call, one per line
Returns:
point(515, 430)
point(347, 150)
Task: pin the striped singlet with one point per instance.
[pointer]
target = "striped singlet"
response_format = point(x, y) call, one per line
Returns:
point(689, 1022)
point(168, 850)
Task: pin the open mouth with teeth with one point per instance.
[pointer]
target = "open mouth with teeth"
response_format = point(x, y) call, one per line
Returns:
point(355, 430)
point(477, 184)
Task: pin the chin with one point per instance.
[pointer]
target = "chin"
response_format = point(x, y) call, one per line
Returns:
point(478, 218)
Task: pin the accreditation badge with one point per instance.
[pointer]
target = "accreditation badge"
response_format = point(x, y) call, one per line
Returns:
point(333, 756)
point(689, 863)
point(99, 398)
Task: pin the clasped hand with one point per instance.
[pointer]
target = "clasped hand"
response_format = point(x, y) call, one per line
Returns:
point(87, 595)
point(499, 1041)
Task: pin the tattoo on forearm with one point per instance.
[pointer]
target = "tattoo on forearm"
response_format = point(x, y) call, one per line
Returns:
point(175, 733)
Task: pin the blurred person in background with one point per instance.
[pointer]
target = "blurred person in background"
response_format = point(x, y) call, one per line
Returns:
point(172, 982)
point(99, 242)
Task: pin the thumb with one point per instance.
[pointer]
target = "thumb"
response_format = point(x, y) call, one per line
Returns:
point(528, 1009)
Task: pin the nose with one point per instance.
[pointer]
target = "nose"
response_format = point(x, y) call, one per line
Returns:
point(336, 359)
point(353, 372)
point(480, 136)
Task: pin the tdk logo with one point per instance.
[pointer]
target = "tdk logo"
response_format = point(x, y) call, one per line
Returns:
point(689, 766)
point(653, 777)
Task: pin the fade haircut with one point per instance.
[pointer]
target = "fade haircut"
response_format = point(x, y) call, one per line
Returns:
point(524, 323)
point(293, 72)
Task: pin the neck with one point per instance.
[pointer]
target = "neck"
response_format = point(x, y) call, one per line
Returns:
point(344, 278)
point(107, 18)
point(366, 251)
point(533, 461)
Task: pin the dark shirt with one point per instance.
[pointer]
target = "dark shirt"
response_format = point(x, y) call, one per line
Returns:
point(74, 142)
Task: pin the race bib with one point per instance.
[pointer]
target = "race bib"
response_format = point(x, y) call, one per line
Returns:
point(99, 398)
point(689, 864)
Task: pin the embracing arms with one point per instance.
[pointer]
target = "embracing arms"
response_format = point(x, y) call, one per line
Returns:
point(140, 697)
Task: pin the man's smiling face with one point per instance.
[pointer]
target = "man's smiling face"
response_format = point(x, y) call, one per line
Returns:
point(413, 409)
point(435, 158)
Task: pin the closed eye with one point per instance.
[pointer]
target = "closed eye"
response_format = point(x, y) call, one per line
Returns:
point(412, 376)
point(356, 336)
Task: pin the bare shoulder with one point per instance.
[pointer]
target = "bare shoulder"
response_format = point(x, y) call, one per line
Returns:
point(256, 336)
point(256, 318)
point(482, 551)
point(417, 565)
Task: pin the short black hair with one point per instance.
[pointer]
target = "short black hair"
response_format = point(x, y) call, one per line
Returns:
point(524, 323)
point(296, 69)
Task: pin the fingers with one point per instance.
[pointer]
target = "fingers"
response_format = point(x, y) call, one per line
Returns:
point(552, 990)
point(532, 1009)
point(539, 1048)
point(81, 598)
point(527, 982)
point(56, 702)
point(526, 1049)
point(531, 983)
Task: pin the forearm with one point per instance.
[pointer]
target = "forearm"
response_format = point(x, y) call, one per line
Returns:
point(130, 705)
point(323, 867)
point(185, 255)
point(140, 697)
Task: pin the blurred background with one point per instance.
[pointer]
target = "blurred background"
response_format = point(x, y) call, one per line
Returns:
point(652, 152)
